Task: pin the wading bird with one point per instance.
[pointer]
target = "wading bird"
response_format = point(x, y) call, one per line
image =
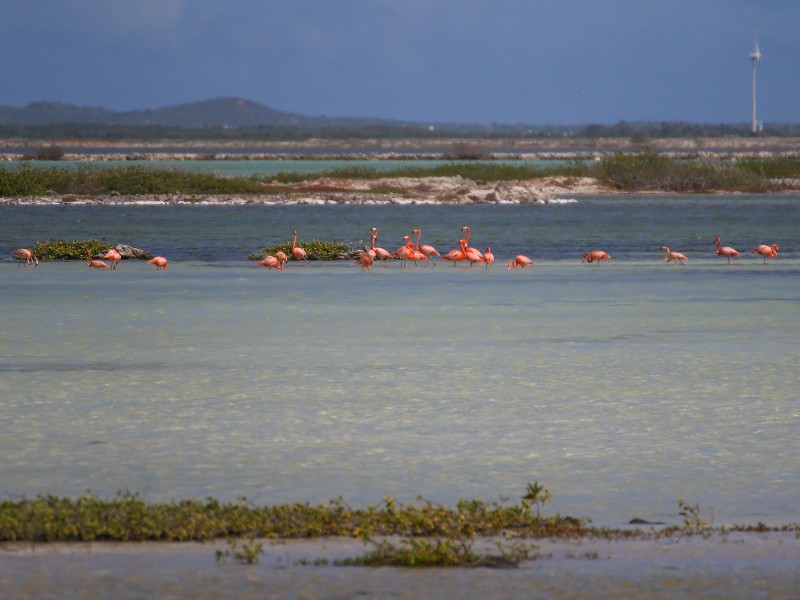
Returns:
point(520, 260)
point(366, 260)
point(488, 257)
point(426, 249)
point(456, 256)
point(381, 254)
point(23, 255)
point(94, 263)
point(271, 262)
point(114, 256)
point(595, 256)
point(465, 228)
point(297, 251)
point(766, 251)
point(159, 261)
point(673, 256)
point(725, 251)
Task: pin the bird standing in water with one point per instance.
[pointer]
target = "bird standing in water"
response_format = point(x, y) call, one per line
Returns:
point(23, 255)
point(725, 251)
point(297, 251)
point(159, 261)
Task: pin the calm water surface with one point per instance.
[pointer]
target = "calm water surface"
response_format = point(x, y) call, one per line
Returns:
point(270, 167)
point(621, 388)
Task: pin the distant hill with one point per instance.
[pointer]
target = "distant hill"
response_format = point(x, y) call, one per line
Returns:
point(237, 118)
point(219, 112)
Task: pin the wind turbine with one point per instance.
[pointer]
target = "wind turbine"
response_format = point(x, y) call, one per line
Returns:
point(755, 126)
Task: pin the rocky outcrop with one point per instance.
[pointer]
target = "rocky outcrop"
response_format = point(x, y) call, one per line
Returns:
point(128, 252)
point(131, 252)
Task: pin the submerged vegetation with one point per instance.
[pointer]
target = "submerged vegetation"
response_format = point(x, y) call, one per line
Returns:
point(474, 533)
point(127, 517)
point(625, 171)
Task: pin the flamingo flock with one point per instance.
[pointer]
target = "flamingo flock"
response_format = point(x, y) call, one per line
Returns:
point(412, 251)
point(25, 257)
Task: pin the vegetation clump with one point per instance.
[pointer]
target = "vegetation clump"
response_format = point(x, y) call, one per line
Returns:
point(246, 554)
point(127, 517)
point(28, 180)
point(648, 170)
point(642, 170)
point(315, 250)
point(472, 534)
point(74, 250)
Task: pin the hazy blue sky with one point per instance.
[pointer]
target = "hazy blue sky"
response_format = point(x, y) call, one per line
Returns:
point(506, 61)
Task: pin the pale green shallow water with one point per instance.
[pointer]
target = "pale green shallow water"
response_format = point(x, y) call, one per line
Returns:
point(620, 388)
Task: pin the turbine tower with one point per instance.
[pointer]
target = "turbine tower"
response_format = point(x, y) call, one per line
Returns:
point(754, 124)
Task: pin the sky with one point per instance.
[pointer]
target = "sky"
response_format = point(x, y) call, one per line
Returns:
point(535, 62)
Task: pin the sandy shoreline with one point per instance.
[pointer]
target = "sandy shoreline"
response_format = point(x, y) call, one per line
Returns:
point(533, 149)
point(386, 190)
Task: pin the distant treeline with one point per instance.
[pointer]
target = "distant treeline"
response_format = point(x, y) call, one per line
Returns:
point(623, 129)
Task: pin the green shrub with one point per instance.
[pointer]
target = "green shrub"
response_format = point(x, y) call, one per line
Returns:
point(315, 250)
point(74, 250)
point(51, 152)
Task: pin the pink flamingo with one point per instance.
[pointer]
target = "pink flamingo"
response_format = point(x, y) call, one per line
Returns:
point(366, 260)
point(520, 260)
point(426, 249)
point(271, 262)
point(473, 256)
point(408, 252)
point(404, 252)
point(113, 256)
point(676, 256)
point(159, 261)
point(456, 256)
point(23, 255)
point(297, 251)
point(595, 256)
point(281, 256)
point(725, 251)
point(488, 256)
point(95, 264)
point(465, 228)
point(381, 254)
point(766, 251)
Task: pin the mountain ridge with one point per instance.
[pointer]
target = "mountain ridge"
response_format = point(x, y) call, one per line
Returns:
point(224, 112)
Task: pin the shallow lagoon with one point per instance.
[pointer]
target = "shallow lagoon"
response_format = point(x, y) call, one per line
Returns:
point(620, 387)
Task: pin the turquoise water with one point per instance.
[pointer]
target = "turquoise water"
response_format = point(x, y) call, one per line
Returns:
point(269, 167)
point(620, 388)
